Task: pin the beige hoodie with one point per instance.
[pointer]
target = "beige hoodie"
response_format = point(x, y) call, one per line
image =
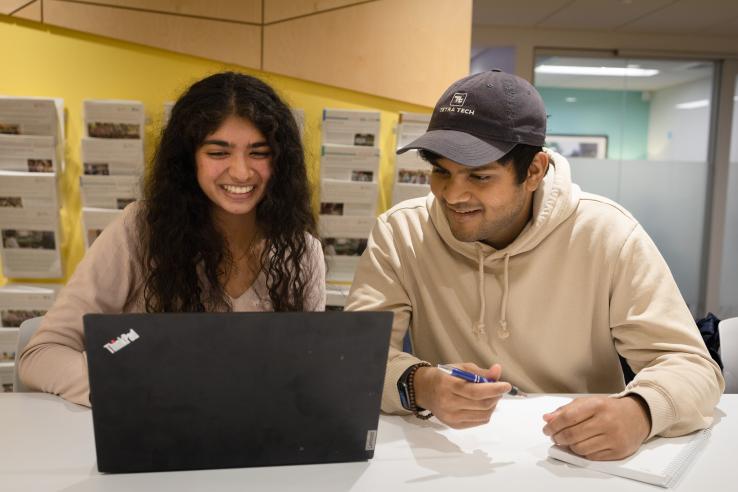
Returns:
point(580, 284)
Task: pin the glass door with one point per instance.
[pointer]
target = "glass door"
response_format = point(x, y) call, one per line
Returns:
point(637, 131)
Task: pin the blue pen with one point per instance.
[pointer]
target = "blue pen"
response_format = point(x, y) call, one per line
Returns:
point(474, 378)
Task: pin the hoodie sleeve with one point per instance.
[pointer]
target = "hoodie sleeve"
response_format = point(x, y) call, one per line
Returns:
point(54, 361)
point(378, 286)
point(655, 332)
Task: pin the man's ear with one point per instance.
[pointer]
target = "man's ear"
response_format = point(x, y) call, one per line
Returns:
point(536, 171)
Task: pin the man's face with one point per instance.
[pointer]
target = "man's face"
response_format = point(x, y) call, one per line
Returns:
point(483, 203)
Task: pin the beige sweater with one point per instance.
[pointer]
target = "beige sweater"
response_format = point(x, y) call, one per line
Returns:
point(580, 284)
point(109, 280)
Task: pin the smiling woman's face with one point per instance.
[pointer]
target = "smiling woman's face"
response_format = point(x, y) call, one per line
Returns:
point(234, 165)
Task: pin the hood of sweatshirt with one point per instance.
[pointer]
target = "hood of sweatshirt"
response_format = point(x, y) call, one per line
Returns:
point(553, 202)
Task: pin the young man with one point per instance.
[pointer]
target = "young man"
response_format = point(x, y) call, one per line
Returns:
point(509, 264)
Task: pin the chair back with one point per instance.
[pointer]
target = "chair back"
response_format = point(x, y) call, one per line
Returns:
point(27, 328)
point(729, 353)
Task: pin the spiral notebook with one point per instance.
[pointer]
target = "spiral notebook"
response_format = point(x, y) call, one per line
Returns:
point(660, 461)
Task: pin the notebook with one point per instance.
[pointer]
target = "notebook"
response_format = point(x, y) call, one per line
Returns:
point(660, 461)
point(221, 390)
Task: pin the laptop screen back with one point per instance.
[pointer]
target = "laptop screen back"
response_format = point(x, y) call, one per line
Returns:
point(218, 390)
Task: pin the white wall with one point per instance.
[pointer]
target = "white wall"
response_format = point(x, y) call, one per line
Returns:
point(681, 135)
point(729, 276)
point(676, 134)
point(502, 57)
point(661, 196)
point(666, 193)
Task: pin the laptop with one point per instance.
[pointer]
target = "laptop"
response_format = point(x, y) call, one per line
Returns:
point(183, 391)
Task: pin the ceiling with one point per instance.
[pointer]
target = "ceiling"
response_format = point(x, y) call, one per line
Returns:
point(670, 73)
point(682, 17)
point(708, 17)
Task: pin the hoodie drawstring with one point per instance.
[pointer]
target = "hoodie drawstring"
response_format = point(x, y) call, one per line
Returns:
point(478, 328)
point(502, 331)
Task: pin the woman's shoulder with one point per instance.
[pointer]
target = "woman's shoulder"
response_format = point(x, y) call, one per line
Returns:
point(123, 231)
point(314, 246)
point(131, 213)
point(311, 240)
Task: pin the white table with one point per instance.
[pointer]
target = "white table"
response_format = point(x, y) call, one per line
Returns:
point(47, 444)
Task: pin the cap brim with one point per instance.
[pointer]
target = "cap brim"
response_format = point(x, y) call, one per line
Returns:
point(460, 147)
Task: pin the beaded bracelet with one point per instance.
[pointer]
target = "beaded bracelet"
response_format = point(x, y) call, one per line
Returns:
point(417, 411)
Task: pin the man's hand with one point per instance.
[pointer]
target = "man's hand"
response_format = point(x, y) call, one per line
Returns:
point(600, 427)
point(455, 402)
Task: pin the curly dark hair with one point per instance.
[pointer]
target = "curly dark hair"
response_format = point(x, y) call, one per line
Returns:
point(180, 242)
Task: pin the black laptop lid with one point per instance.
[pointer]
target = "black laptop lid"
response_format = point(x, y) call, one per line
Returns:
point(218, 390)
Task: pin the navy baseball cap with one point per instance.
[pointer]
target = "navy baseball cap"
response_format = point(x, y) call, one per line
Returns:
point(480, 118)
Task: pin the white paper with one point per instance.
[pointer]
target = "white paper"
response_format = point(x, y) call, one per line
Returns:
point(30, 242)
point(109, 191)
point(339, 226)
point(342, 246)
point(24, 190)
point(21, 302)
point(402, 192)
point(29, 225)
point(35, 116)
point(351, 127)
point(168, 105)
point(342, 257)
point(335, 296)
point(660, 461)
point(412, 177)
point(355, 198)
point(104, 156)
point(408, 117)
point(32, 116)
point(411, 160)
point(349, 163)
point(6, 375)
point(412, 174)
point(344, 238)
point(27, 153)
point(8, 344)
point(94, 220)
point(299, 115)
point(411, 126)
point(113, 119)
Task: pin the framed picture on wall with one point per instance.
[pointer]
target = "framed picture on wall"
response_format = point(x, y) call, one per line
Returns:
point(592, 146)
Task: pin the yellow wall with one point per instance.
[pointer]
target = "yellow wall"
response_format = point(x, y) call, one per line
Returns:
point(38, 60)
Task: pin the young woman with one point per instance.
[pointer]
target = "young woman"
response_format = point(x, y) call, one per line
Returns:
point(225, 225)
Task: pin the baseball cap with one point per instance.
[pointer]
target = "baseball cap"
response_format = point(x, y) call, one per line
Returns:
point(480, 118)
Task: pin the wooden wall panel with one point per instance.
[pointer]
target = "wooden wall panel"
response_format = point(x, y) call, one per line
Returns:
point(409, 50)
point(30, 12)
point(276, 10)
point(225, 41)
point(8, 6)
point(234, 10)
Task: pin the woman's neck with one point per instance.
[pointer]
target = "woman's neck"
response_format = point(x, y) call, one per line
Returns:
point(239, 231)
point(241, 234)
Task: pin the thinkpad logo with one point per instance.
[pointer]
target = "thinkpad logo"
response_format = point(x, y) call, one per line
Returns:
point(458, 99)
point(122, 341)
